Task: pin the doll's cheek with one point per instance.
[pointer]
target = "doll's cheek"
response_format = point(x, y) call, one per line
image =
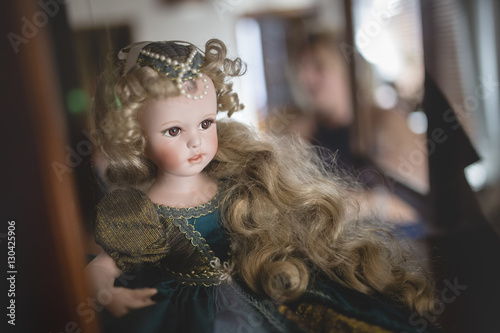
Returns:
point(214, 142)
point(211, 145)
point(170, 160)
point(165, 159)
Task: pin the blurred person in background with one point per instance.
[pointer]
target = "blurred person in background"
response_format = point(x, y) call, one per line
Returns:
point(323, 75)
point(321, 85)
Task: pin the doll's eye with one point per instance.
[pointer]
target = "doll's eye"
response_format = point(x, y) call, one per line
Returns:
point(205, 124)
point(174, 131)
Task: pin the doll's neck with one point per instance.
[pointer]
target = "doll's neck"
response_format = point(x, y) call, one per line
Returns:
point(183, 192)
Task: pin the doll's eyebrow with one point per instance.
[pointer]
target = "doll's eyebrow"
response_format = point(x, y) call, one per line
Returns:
point(168, 122)
point(176, 121)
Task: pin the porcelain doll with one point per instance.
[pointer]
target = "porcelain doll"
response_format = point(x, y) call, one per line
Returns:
point(222, 228)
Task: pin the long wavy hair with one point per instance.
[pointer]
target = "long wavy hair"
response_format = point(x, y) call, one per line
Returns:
point(288, 216)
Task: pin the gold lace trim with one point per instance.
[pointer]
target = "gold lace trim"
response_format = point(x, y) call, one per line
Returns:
point(161, 212)
point(201, 210)
point(208, 271)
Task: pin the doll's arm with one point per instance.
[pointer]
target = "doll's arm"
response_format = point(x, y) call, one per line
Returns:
point(102, 272)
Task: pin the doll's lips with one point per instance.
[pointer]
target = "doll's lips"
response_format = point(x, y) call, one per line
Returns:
point(196, 158)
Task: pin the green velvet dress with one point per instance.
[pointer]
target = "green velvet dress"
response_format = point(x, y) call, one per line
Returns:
point(185, 254)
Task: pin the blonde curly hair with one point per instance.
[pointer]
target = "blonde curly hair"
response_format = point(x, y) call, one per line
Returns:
point(286, 213)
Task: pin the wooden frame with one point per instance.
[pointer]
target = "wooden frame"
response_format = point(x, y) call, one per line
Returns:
point(51, 293)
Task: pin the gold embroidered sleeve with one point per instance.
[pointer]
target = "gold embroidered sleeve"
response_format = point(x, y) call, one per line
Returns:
point(128, 228)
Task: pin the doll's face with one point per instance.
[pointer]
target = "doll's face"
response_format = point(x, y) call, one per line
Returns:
point(181, 134)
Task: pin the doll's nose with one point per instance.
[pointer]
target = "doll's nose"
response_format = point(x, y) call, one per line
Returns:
point(194, 140)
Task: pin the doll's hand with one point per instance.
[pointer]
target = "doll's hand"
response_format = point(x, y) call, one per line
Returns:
point(124, 300)
point(102, 272)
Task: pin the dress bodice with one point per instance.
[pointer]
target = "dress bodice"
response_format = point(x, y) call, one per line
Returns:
point(187, 244)
point(205, 222)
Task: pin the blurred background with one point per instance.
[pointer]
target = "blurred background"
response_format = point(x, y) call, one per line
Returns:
point(404, 93)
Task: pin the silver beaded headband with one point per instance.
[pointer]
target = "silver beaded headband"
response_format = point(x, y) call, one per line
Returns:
point(180, 61)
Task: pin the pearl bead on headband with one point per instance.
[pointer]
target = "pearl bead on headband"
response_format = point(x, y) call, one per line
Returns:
point(180, 61)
